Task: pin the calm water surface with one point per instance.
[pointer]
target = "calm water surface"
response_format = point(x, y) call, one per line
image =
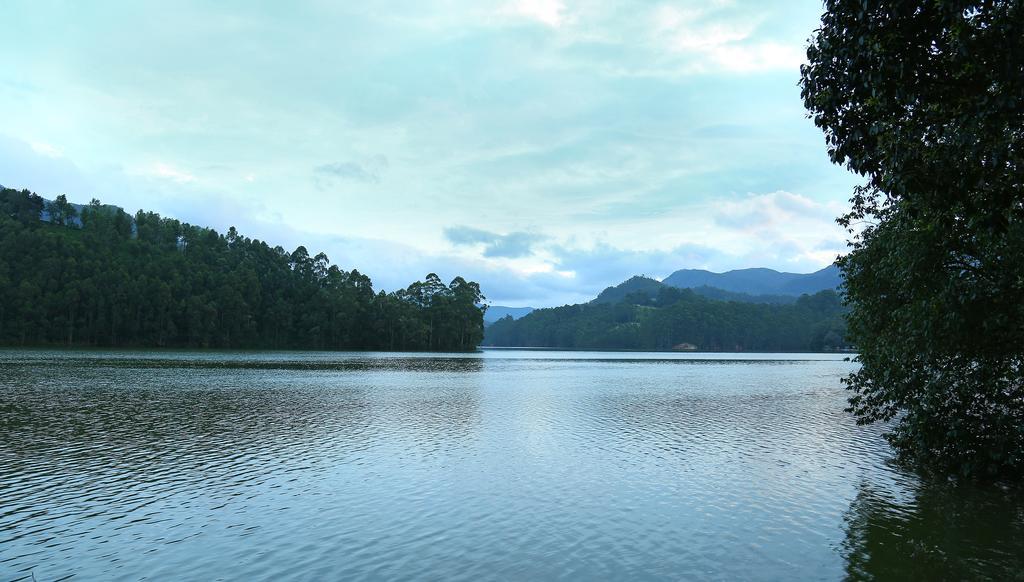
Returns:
point(502, 465)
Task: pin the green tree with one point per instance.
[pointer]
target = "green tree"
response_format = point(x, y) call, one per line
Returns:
point(678, 316)
point(61, 211)
point(117, 280)
point(926, 101)
point(21, 206)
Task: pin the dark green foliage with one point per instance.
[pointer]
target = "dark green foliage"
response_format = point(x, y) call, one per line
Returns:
point(24, 206)
point(61, 211)
point(678, 316)
point(152, 281)
point(934, 529)
point(926, 101)
point(638, 284)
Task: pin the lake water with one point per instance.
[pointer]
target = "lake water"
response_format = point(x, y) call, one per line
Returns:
point(506, 465)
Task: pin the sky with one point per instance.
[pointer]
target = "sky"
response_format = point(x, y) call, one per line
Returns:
point(544, 148)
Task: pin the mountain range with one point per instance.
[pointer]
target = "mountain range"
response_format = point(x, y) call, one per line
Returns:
point(757, 285)
point(758, 281)
point(645, 314)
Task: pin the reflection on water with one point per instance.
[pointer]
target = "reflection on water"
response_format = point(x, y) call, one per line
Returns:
point(123, 465)
point(935, 531)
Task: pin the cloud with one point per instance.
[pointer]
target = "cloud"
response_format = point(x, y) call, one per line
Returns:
point(601, 265)
point(348, 171)
point(759, 56)
point(548, 12)
point(511, 246)
point(784, 226)
point(46, 149)
point(465, 235)
point(759, 212)
point(22, 165)
point(164, 170)
point(367, 172)
point(722, 41)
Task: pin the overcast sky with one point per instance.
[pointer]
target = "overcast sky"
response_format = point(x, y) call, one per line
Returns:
point(545, 148)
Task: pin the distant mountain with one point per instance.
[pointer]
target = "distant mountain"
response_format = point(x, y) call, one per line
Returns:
point(743, 310)
point(758, 281)
point(636, 284)
point(678, 319)
point(723, 295)
point(827, 278)
point(496, 312)
point(651, 288)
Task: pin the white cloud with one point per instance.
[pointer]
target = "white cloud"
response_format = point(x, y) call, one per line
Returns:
point(548, 12)
point(685, 31)
point(164, 170)
point(46, 149)
point(513, 245)
point(761, 56)
point(783, 227)
point(721, 42)
point(25, 166)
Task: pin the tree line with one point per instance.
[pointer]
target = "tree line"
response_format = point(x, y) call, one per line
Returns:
point(100, 277)
point(675, 317)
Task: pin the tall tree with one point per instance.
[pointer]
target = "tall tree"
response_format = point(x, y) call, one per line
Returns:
point(61, 211)
point(926, 101)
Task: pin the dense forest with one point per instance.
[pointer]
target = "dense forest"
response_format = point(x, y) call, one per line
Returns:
point(96, 276)
point(675, 317)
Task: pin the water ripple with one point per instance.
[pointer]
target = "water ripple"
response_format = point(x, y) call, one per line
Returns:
point(503, 465)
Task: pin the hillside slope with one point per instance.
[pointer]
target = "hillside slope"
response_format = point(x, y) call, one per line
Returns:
point(677, 319)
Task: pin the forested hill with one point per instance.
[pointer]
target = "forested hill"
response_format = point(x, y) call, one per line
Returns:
point(99, 277)
point(680, 319)
point(651, 288)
